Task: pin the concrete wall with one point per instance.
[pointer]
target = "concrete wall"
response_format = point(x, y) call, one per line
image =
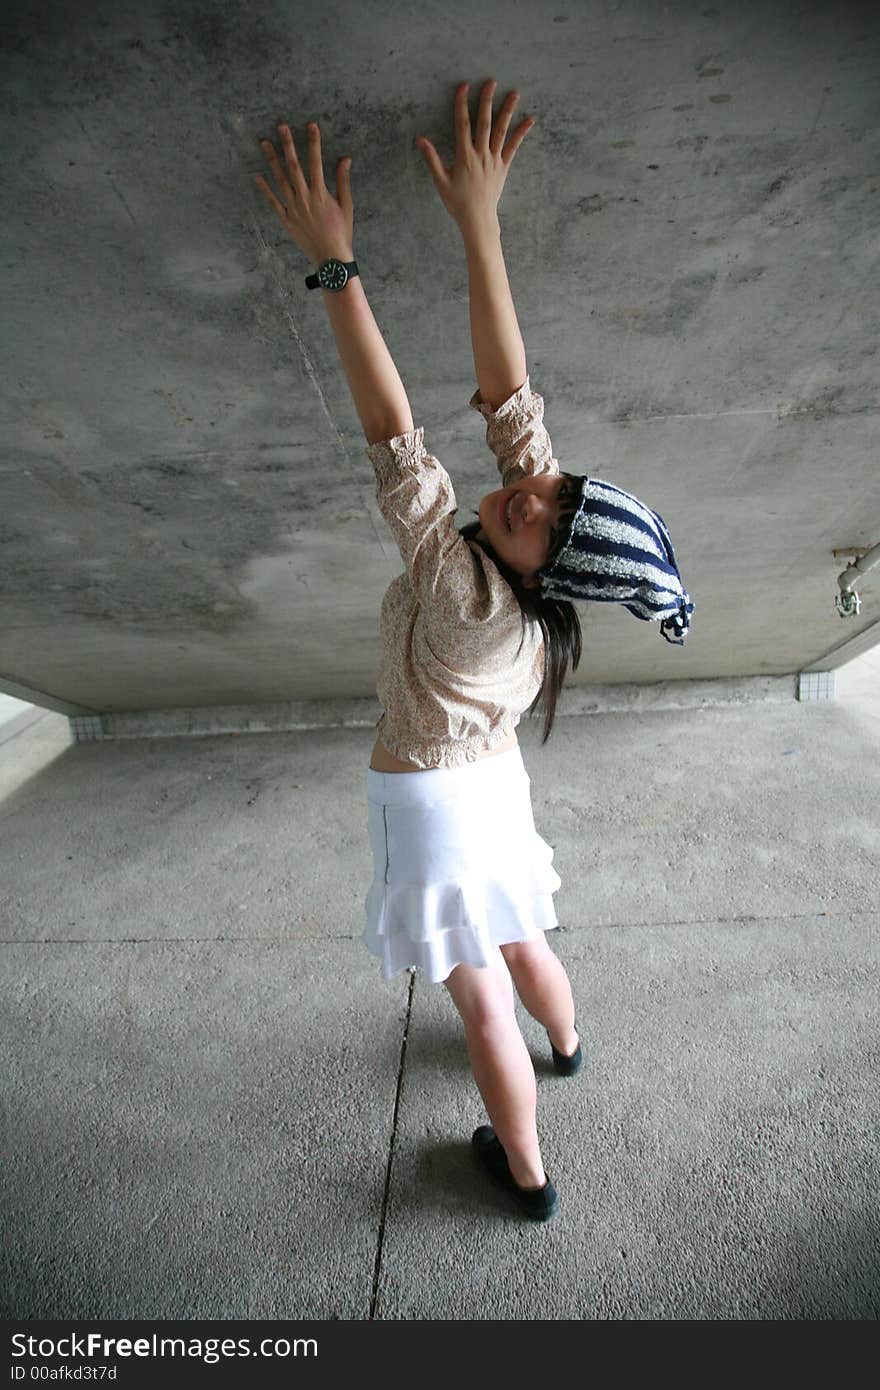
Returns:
point(187, 514)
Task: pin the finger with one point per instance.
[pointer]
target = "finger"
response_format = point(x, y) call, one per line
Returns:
point(270, 197)
point(518, 136)
point(297, 177)
point(433, 160)
point(505, 115)
point(343, 184)
point(316, 165)
point(280, 178)
point(484, 114)
point(462, 117)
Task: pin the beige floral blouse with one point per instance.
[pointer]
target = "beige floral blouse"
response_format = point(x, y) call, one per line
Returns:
point(450, 681)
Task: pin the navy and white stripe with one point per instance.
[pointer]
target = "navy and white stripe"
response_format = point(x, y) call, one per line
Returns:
point(619, 551)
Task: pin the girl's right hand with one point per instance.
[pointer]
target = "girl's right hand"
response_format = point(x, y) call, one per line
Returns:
point(471, 189)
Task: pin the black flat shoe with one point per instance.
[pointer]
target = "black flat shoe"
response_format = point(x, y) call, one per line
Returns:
point(566, 1066)
point(539, 1203)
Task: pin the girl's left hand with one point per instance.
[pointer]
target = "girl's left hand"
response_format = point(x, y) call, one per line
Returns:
point(321, 225)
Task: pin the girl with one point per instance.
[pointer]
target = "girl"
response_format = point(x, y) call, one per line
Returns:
point(477, 629)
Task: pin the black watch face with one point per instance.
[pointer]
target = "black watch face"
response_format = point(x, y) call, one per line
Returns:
point(332, 275)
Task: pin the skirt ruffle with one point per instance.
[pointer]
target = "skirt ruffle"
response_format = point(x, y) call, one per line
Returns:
point(459, 868)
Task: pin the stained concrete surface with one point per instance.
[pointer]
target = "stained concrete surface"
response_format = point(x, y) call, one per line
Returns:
point(188, 514)
point(214, 1106)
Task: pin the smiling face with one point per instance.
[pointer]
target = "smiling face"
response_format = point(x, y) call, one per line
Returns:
point(526, 521)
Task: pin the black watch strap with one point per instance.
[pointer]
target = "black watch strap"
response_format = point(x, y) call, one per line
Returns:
point(313, 283)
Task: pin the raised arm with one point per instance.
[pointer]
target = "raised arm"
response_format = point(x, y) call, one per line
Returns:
point(499, 353)
point(376, 388)
point(470, 192)
point(323, 226)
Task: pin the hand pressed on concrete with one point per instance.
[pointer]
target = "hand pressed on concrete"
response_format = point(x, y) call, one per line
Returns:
point(471, 189)
point(321, 225)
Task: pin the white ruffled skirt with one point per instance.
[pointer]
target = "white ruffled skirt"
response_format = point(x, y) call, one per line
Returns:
point(458, 867)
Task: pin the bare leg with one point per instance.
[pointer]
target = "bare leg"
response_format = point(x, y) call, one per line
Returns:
point(544, 988)
point(501, 1064)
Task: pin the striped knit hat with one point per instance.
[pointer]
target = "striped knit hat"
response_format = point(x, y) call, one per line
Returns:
point(619, 551)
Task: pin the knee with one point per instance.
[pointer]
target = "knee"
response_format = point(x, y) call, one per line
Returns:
point(487, 1019)
point(485, 1004)
point(525, 957)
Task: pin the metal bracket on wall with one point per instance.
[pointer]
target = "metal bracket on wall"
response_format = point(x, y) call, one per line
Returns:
point(847, 601)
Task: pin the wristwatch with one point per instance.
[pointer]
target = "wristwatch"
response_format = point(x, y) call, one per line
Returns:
point(332, 275)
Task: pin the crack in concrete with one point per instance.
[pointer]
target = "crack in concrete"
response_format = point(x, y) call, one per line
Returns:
point(697, 415)
point(843, 913)
point(377, 1268)
point(369, 504)
point(116, 190)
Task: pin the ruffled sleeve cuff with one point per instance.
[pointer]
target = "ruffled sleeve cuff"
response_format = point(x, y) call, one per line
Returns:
point(407, 450)
point(518, 407)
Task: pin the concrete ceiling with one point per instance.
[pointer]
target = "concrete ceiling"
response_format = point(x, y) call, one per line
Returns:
point(691, 230)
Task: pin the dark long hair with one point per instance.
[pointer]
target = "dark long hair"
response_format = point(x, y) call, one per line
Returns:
point(559, 624)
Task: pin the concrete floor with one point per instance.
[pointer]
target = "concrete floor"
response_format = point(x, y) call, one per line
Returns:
point(215, 1108)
